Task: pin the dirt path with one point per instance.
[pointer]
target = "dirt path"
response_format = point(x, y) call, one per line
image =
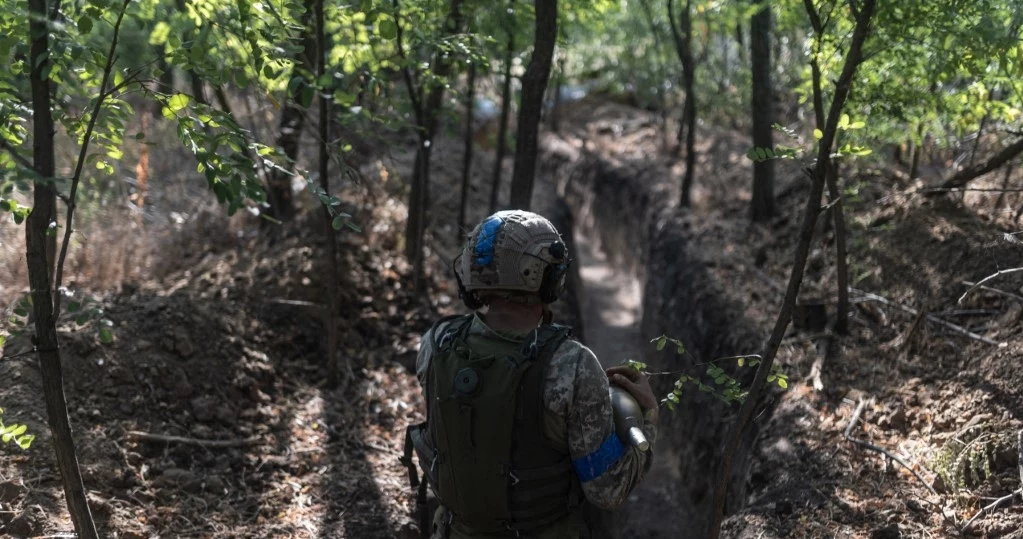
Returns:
point(611, 303)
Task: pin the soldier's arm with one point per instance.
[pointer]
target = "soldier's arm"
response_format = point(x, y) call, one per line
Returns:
point(607, 467)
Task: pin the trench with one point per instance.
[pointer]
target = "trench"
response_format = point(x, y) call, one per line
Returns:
point(637, 276)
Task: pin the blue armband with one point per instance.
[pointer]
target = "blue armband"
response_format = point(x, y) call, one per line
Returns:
point(596, 463)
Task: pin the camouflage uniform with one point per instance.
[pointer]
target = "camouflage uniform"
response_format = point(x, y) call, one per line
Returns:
point(578, 420)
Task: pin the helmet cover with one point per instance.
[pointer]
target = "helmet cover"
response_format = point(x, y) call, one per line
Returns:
point(510, 251)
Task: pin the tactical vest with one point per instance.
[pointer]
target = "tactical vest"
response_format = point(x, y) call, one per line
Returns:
point(482, 447)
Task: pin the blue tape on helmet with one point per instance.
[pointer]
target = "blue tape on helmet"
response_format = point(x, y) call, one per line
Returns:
point(484, 250)
point(596, 463)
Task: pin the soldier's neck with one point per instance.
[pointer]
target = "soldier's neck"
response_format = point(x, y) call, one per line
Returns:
point(512, 317)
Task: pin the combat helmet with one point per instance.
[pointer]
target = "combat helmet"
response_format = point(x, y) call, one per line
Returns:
point(514, 254)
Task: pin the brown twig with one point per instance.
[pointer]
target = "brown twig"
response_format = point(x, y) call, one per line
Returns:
point(991, 507)
point(163, 438)
point(995, 275)
point(994, 290)
point(866, 296)
point(883, 451)
point(82, 154)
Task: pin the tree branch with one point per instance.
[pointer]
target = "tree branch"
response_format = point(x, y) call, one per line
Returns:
point(815, 18)
point(993, 276)
point(413, 89)
point(107, 69)
point(968, 174)
point(883, 451)
point(809, 219)
point(18, 158)
point(991, 507)
point(161, 438)
point(930, 317)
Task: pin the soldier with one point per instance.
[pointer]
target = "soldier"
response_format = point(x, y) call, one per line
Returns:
point(519, 429)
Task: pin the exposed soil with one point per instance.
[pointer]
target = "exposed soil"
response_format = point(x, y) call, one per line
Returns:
point(207, 350)
point(925, 386)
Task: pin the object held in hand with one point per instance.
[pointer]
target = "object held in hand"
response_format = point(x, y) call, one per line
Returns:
point(628, 417)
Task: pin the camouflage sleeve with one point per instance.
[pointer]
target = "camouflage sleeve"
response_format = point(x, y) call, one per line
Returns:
point(607, 468)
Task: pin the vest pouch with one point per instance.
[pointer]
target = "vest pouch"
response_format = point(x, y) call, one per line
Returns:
point(425, 451)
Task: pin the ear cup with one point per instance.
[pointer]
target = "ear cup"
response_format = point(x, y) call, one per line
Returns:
point(553, 284)
point(470, 299)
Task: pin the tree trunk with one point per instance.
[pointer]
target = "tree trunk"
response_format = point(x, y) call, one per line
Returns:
point(502, 126)
point(818, 179)
point(762, 207)
point(534, 84)
point(39, 268)
point(332, 310)
point(842, 262)
point(918, 145)
point(470, 97)
point(740, 39)
point(661, 71)
point(682, 33)
point(559, 80)
point(292, 122)
point(427, 112)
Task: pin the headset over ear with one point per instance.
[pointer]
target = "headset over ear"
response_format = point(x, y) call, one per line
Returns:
point(469, 298)
point(553, 284)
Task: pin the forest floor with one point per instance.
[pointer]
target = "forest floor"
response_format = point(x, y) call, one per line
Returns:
point(224, 344)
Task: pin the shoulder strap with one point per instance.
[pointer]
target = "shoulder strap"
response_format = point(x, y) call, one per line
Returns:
point(548, 339)
point(456, 324)
point(542, 489)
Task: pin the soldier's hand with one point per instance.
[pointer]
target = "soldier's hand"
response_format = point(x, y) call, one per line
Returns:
point(636, 383)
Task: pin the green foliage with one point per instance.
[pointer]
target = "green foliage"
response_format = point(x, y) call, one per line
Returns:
point(715, 381)
point(15, 433)
point(782, 151)
point(965, 459)
point(339, 218)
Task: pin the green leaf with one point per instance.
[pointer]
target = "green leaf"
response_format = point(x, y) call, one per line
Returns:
point(783, 383)
point(73, 306)
point(25, 441)
point(306, 99)
point(661, 342)
point(338, 222)
point(635, 365)
point(742, 361)
point(387, 29)
point(105, 335)
point(85, 24)
point(178, 102)
point(818, 134)
point(843, 122)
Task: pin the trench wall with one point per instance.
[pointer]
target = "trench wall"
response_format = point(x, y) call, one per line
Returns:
point(629, 208)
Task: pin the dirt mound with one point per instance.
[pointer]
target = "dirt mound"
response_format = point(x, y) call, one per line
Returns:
point(931, 390)
point(229, 350)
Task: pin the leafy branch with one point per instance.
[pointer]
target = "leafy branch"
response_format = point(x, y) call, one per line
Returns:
point(715, 380)
point(15, 433)
point(75, 180)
